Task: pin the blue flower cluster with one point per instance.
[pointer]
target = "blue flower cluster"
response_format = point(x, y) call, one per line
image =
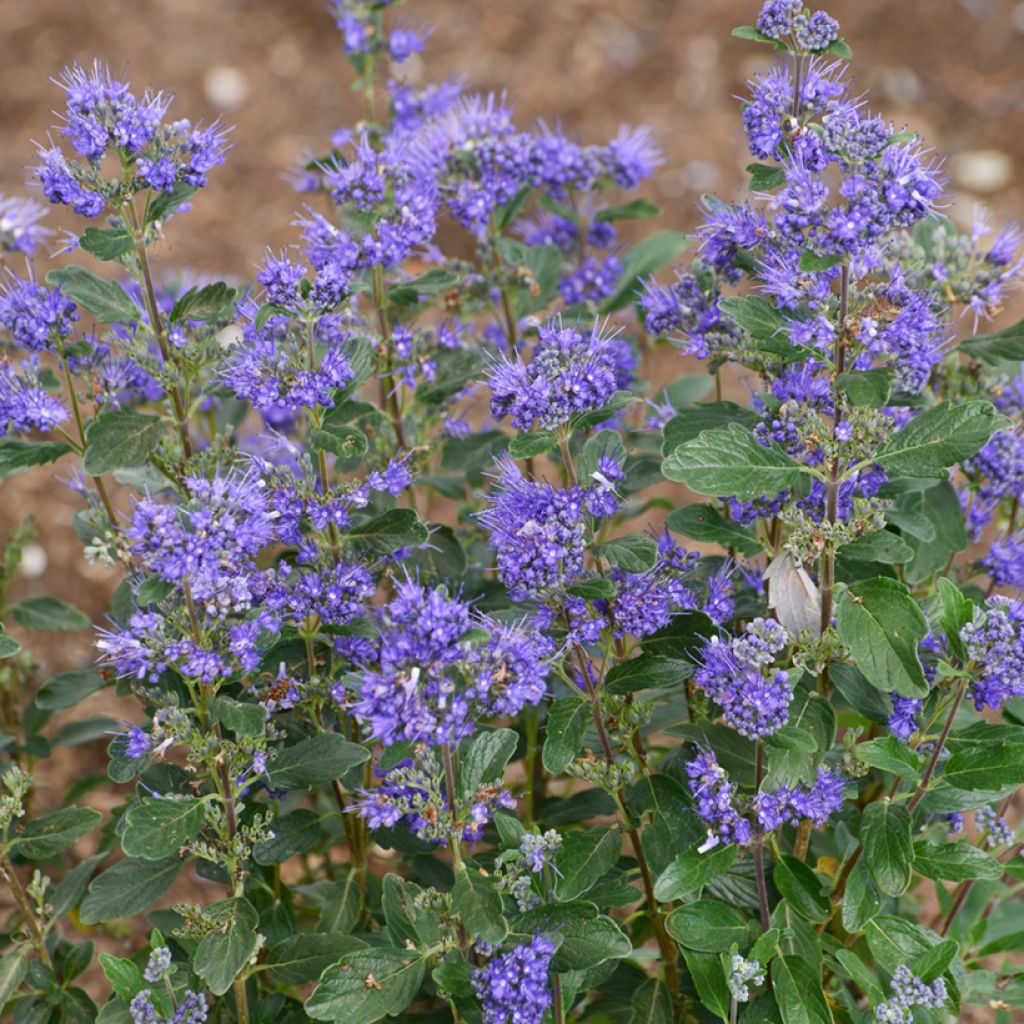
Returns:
point(515, 987)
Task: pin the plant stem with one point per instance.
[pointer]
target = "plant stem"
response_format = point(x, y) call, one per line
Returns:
point(922, 786)
point(157, 326)
point(25, 907)
point(762, 885)
point(100, 486)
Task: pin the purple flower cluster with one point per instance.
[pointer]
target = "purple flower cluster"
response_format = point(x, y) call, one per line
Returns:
point(995, 643)
point(739, 676)
point(569, 372)
point(435, 676)
point(716, 801)
point(37, 318)
point(20, 230)
point(903, 720)
point(25, 404)
point(515, 987)
point(993, 829)
point(102, 115)
point(788, 805)
point(909, 992)
point(538, 532)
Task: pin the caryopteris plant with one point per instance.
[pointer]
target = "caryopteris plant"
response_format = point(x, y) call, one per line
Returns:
point(426, 699)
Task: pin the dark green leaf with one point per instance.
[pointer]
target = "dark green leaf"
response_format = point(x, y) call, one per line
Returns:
point(691, 871)
point(433, 282)
point(315, 761)
point(106, 299)
point(706, 523)
point(484, 759)
point(940, 437)
point(996, 346)
point(295, 833)
point(478, 903)
point(206, 302)
point(986, 768)
point(583, 859)
point(119, 439)
point(709, 979)
point(798, 992)
point(688, 423)
point(300, 959)
point(647, 672)
point(881, 624)
point(127, 889)
point(708, 926)
point(366, 985)
point(49, 615)
point(106, 243)
point(165, 203)
point(156, 828)
point(17, 455)
point(68, 688)
point(886, 835)
point(766, 177)
point(345, 442)
point(124, 976)
point(729, 462)
point(587, 938)
point(593, 590)
point(651, 1004)
point(638, 208)
point(54, 833)
point(650, 256)
point(242, 719)
point(813, 263)
point(396, 528)
point(636, 552)
point(563, 735)
point(222, 953)
point(761, 319)
point(526, 446)
point(890, 755)
point(867, 388)
point(881, 546)
point(955, 862)
point(862, 899)
point(802, 888)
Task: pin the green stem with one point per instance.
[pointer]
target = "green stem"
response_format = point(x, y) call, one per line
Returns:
point(100, 486)
point(25, 907)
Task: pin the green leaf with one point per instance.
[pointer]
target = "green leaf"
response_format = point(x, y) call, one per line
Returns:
point(709, 979)
point(396, 528)
point(880, 546)
point(484, 759)
point(862, 899)
point(997, 346)
point(366, 985)
point(754, 35)
point(986, 767)
point(106, 299)
point(706, 523)
point(54, 833)
point(156, 828)
point(563, 736)
point(583, 859)
point(223, 952)
point(765, 177)
point(867, 388)
point(593, 590)
point(798, 992)
point(801, 888)
point(886, 835)
point(49, 615)
point(687, 424)
point(9, 647)
point(242, 719)
point(895, 940)
point(340, 911)
point(636, 552)
point(649, 671)
point(127, 889)
point(124, 976)
point(890, 755)
point(17, 455)
point(957, 611)
point(68, 688)
point(106, 243)
point(119, 439)
point(587, 938)
point(209, 302)
point(939, 438)
point(433, 282)
point(478, 903)
point(729, 462)
point(881, 624)
point(638, 208)
point(295, 833)
point(164, 203)
point(651, 1003)
point(526, 446)
point(650, 256)
point(345, 442)
point(840, 48)
point(315, 761)
point(691, 871)
point(814, 263)
point(955, 862)
point(709, 926)
point(936, 961)
point(761, 319)
point(302, 958)
point(13, 966)
point(855, 970)
point(619, 401)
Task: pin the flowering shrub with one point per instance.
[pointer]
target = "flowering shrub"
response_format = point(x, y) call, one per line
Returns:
point(417, 676)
